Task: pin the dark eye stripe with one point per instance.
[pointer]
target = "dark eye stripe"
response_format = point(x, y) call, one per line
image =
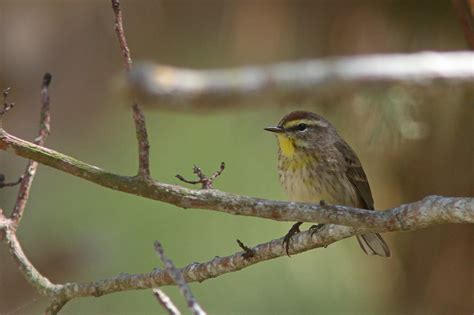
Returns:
point(299, 127)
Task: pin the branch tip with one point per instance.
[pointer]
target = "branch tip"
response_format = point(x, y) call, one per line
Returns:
point(47, 77)
point(206, 182)
point(10, 184)
point(248, 252)
point(6, 104)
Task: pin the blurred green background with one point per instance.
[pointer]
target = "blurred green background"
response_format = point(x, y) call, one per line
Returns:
point(412, 143)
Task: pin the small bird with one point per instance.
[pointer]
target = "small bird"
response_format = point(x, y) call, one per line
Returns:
point(316, 165)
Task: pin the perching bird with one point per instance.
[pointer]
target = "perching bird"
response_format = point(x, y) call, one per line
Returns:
point(315, 164)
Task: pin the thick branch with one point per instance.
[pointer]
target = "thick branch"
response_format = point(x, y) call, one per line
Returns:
point(241, 205)
point(197, 272)
point(172, 88)
point(430, 211)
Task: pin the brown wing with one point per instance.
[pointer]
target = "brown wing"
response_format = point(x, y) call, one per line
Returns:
point(356, 174)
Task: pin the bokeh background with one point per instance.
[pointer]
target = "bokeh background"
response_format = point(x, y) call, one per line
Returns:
point(412, 143)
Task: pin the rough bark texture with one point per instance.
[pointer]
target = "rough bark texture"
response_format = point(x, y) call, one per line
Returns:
point(185, 89)
point(430, 211)
point(390, 220)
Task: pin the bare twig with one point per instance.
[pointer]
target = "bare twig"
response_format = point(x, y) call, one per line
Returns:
point(31, 274)
point(464, 10)
point(27, 178)
point(127, 59)
point(177, 277)
point(205, 181)
point(138, 117)
point(9, 184)
point(6, 104)
point(427, 212)
point(178, 89)
point(248, 252)
point(166, 302)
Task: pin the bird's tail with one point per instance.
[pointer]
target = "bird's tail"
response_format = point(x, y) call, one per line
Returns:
point(373, 244)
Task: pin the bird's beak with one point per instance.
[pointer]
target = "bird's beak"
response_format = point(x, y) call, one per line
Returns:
point(275, 129)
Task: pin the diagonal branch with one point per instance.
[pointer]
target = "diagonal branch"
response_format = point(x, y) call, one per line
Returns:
point(179, 89)
point(27, 179)
point(465, 12)
point(30, 273)
point(178, 279)
point(166, 302)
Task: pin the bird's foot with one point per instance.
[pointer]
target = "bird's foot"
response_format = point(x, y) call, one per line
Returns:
point(295, 229)
point(315, 228)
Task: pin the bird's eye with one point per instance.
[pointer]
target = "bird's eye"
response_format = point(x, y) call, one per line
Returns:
point(302, 127)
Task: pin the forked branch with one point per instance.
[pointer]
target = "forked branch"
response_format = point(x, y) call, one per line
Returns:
point(226, 85)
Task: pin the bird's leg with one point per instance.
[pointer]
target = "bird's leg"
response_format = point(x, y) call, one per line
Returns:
point(295, 229)
point(316, 227)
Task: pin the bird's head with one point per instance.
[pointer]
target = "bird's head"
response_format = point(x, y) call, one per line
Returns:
point(301, 130)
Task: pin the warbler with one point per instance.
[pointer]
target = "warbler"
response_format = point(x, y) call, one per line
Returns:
point(316, 165)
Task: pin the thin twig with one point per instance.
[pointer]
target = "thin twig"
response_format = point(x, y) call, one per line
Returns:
point(127, 59)
point(143, 144)
point(6, 104)
point(248, 252)
point(31, 274)
point(166, 302)
point(9, 184)
point(206, 182)
point(27, 178)
point(177, 277)
point(464, 11)
point(138, 116)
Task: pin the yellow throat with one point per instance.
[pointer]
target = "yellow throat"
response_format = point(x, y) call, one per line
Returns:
point(286, 146)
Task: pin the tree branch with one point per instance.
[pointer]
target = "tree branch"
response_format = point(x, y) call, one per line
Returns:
point(30, 273)
point(138, 117)
point(178, 279)
point(172, 88)
point(166, 302)
point(464, 10)
point(44, 129)
point(186, 89)
point(230, 203)
point(434, 207)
